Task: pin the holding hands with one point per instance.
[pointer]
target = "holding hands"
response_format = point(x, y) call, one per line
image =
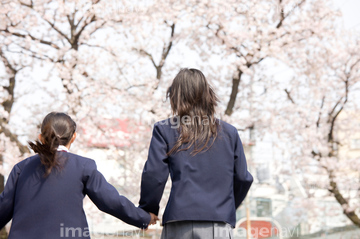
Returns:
point(153, 219)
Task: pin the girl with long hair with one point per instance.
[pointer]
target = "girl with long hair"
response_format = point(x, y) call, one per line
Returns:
point(205, 159)
point(44, 193)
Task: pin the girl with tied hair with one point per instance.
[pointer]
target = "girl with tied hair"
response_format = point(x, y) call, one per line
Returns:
point(44, 193)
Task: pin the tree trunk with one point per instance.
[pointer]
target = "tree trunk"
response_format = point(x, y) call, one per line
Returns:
point(234, 91)
point(342, 201)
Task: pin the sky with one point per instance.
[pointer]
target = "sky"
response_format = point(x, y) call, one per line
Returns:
point(350, 10)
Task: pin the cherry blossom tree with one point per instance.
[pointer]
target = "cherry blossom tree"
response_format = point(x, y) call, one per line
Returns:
point(249, 32)
point(253, 35)
point(11, 148)
point(312, 115)
point(77, 45)
point(317, 115)
point(114, 59)
point(58, 35)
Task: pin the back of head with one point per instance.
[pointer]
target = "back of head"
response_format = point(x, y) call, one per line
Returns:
point(193, 101)
point(56, 129)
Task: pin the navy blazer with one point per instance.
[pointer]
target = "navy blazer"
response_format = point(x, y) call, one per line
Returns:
point(206, 187)
point(45, 207)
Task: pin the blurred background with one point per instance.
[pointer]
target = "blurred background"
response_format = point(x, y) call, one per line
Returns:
point(286, 72)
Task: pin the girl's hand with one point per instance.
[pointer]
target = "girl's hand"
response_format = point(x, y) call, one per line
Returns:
point(154, 218)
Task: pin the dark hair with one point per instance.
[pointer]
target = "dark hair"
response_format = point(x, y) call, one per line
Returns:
point(56, 129)
point(191, 96)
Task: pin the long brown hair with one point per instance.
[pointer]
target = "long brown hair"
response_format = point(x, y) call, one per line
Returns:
point(56, 129)
point(193, 101)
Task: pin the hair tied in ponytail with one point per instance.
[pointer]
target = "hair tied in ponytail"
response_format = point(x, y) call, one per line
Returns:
point(56, 129)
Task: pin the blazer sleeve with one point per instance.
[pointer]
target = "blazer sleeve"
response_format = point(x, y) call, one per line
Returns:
point(7, 197)
point(242, 178)
point(155, 173)
point(108, 199)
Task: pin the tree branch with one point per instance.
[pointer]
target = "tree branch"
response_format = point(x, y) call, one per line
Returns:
point(7, 104)
point(333, 119)
point(341, 200)
point(97, 28)
point(31, 5)
point(75, 38)
point(13, 138)
point(289, 96)
point(282, 14)
point(32, 38)
point(58, 30)
point(168, 48)
point(143, 52)
point(234, 92)
point(321, 107)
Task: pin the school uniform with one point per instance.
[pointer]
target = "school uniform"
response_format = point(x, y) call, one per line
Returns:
point(49, 207)
point(207, 187)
